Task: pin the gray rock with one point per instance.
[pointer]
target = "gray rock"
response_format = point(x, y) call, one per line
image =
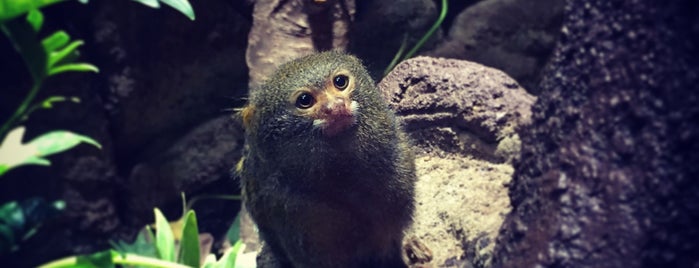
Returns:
point(458, 113)
point(201, 157)
point(515, 36)
point(457, 106)
point(169, 74)
point(608, 174)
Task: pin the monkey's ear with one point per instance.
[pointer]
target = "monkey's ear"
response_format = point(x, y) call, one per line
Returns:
point(246, 115)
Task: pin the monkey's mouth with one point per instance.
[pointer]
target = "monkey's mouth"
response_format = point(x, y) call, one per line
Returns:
point(333, 125)
point(337, 121)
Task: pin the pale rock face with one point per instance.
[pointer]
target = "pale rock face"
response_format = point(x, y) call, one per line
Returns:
point(462, 116)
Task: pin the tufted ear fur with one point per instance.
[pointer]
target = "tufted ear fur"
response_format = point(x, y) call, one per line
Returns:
point(246, 115)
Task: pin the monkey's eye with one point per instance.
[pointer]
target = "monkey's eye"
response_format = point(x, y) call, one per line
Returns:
point(341, 81)
point(305, 101)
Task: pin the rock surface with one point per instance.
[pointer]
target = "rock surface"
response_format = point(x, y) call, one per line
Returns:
point(608, 174)
point(457, 106)
point(515, 36)
point(457, 112)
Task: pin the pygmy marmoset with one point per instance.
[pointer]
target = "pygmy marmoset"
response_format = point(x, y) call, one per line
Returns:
point(327, 175)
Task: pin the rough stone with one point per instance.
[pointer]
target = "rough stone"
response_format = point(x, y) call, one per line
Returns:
point(515, 36)
point(608, 172)
point(447, 106)
point(457, 106)
point(461, 204)
point(168, 75)
point(200, 158)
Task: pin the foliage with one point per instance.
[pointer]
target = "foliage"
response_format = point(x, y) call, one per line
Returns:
point(144, 253)
point(46, 57)
point(14, 8)
point(20, 220)
point(13, 153)
point(43, 57)
point(182, 6)
point(420, 43)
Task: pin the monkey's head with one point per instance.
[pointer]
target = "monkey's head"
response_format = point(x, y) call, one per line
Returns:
point(312, 101)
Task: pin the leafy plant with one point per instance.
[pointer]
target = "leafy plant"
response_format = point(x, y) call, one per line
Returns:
point(145, 253)
point(20, 220)
point(13, 153)
point(15, 8)
point(44, 58)
point(182, 6)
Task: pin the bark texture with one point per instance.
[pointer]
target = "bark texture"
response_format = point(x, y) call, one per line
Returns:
point(608, 175)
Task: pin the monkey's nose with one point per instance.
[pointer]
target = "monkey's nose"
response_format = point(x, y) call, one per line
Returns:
point(337, 106)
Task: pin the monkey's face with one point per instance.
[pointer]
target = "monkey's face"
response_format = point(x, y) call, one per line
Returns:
point(330, 106)
point(314, 105)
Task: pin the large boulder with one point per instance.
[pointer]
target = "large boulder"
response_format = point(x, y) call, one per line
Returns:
point(608, 175)
point(515, 36)
point(462, 116)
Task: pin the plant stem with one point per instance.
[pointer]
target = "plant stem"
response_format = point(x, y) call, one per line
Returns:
point(19, 113)
point(397, 57)
point(129, 259)
point(429, 33)
point(136, 260)
point(22, 108)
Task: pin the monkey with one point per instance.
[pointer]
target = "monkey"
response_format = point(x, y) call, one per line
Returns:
point(327, 173)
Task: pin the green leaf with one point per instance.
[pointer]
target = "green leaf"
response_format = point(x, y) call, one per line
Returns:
point(13, 153)
point(12, 8)
point(55, 41)
point(48, 102)
point(233, 233)
point(58, 141)
point(12, 223)
point(12, 216)
point(229, 261)
point(182, 6)
point(35, 19)
point(25, 41)
point(57, 56)
point(102, 259)
point(21, 220)
point(189, 246)
point(76, 67)
point(149, 3)
point(164, 239)
point(143, 245)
